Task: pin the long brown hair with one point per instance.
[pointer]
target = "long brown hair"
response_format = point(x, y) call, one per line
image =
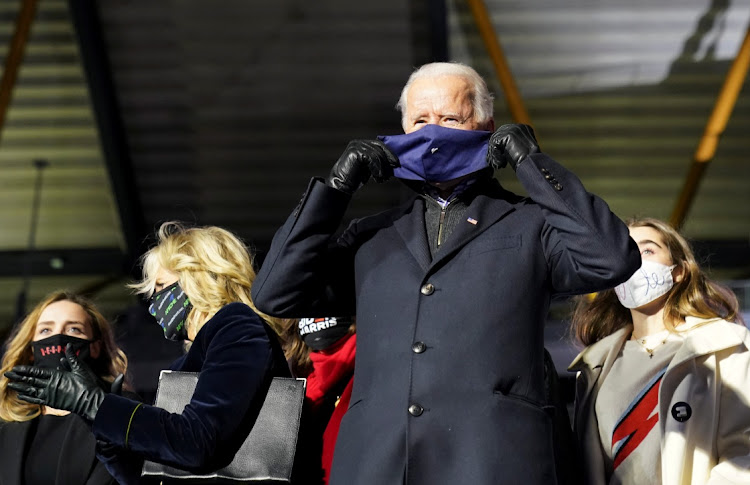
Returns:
point(694, 295)
point(18, 352)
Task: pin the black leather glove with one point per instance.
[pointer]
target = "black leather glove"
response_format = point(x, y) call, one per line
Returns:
point(114, 387)
point(360, 160)
point(77, 390)
point(510, 145)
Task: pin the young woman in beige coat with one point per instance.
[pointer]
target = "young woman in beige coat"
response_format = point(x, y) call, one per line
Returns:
point(663, 387)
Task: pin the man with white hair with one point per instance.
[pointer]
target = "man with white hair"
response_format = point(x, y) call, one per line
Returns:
point(450, 290)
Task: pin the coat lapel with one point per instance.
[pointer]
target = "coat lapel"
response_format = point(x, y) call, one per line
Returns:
point(76, 432)
point(410, 227)
point(702, 338)
point(484, 210)
point(594, 362)
point(482, 213)
point(13, 436)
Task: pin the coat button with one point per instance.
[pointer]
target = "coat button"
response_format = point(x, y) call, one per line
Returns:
point(418, 347)
point(416, 410)
point(544, 170)
point(428, 289)
point(558, 187)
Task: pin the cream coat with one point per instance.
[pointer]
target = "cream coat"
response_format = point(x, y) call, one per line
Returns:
point(711, 373)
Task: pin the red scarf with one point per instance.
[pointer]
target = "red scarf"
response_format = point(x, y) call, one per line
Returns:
point(330, 366)
point(333, 368)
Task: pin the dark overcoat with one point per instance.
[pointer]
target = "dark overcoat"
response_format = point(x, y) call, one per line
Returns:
point(77, 461)
point(237, 355)
point(448, 385)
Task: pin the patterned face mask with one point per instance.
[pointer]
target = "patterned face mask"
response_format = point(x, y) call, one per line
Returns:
point(438, 154)
point(49, 351)
point(170, 308)
point(647, 284)
point(322, 333)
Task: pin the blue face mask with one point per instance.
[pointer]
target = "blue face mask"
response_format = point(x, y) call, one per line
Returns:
point(438, 154)
point(170, 308)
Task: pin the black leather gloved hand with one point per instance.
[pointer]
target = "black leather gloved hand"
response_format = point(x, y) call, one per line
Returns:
point(360, 160)
point(510, 144)
point(114, 387)
point(77, 391)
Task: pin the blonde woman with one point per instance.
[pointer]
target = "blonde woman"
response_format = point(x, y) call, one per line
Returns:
point(664, 382)
point(198, 284)
point(38, 443)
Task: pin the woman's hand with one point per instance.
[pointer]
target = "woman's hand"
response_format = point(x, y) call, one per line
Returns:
point(77, 390)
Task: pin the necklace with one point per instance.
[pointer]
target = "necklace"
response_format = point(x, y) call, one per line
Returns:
point(650, 350)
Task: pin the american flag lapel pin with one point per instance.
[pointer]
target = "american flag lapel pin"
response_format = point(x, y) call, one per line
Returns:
point(471, 220)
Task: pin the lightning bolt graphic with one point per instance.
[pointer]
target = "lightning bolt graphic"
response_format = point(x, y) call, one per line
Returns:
point(637, 421)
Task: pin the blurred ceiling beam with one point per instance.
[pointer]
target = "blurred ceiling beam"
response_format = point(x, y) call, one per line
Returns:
point(715, 126)
point(58, 262)
point(14, 58)
point(115, 148)
point(491, 41)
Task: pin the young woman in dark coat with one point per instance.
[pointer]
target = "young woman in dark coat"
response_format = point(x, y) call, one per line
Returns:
point(41, 444)
point(198, 283)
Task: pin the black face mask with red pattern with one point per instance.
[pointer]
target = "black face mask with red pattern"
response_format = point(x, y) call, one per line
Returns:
point(49, 351)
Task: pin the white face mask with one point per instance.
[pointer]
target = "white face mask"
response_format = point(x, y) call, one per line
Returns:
point(647, 284)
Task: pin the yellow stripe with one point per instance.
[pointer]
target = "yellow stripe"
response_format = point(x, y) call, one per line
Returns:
point(127, 433)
